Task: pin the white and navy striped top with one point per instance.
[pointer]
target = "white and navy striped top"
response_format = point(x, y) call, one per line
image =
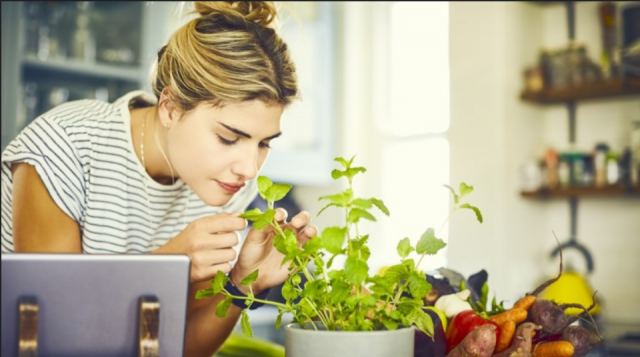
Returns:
point(83, 153)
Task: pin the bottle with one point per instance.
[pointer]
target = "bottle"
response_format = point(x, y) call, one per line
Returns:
point(613, 174)
point(563, 171)
point(587, 179)
point(84, 46)
point(551, 163)
point(600, 164)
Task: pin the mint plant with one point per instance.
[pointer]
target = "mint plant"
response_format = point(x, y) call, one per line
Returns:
point(345, 298)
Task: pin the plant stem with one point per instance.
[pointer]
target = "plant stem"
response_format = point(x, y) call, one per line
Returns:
point(322, 318)
point(306, 273)
point(399, 294)
point(269, 302)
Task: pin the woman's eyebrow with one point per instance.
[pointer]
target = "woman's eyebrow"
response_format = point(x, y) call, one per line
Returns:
point(242, 133)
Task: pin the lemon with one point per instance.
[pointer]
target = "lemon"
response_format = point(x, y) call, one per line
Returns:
point(441, 316)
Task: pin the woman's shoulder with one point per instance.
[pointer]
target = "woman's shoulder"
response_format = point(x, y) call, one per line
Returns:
point(92, 113)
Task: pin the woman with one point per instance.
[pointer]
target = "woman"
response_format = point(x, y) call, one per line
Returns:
point(168, 173)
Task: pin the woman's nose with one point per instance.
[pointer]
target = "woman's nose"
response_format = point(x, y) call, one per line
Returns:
point(246, 165)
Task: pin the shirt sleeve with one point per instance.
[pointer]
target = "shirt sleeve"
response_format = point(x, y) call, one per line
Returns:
point(47, 147)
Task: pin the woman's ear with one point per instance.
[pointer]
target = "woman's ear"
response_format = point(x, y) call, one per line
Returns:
point(168, 111)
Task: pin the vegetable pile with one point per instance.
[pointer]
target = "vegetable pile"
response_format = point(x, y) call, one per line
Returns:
point(531, 327)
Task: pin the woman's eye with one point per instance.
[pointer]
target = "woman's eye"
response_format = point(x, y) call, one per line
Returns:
point(226, 141)
point(265, 145)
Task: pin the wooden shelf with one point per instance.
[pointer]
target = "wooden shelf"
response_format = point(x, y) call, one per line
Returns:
point(566, 192)
point(591, 91)
point(97, 70)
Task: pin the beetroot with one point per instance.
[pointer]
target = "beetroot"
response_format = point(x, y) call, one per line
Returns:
point(581, 339)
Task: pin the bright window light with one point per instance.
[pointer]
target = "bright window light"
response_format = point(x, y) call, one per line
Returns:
point(415, 149)
point(419, 68)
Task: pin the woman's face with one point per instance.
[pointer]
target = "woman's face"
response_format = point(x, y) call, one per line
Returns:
point(215, 150)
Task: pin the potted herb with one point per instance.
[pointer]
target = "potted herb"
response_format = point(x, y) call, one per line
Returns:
point(344, 310)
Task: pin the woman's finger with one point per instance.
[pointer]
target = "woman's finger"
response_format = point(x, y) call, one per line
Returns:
point(281, 215)
point(301, 220)
point(310, 231)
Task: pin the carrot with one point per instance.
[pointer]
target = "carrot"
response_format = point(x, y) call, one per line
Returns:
point(560, 348)
point(507, 330)
point(525, 302)
point(515, 314)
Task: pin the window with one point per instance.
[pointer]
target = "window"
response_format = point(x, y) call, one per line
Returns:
point(414, 141)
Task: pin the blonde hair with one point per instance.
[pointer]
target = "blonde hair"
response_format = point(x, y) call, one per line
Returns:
point(227, 54)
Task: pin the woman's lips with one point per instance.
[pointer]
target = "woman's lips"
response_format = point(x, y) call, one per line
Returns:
point(230, 188)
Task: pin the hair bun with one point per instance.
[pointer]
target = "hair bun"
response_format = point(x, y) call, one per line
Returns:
point(260, 12)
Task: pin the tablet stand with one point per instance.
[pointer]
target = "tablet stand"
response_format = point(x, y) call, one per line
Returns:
point(148, 327)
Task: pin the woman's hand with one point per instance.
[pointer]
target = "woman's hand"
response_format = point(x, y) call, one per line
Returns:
point(209, 242)
point(259, 253)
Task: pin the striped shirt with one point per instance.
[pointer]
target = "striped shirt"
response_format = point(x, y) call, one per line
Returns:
point(83, 153)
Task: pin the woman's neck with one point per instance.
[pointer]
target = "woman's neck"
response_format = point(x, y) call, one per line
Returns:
point(148, 140)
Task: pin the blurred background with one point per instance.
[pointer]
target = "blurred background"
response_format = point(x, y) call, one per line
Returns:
point(535, 104)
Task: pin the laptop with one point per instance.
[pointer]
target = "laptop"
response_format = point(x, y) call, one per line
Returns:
point(89, 304)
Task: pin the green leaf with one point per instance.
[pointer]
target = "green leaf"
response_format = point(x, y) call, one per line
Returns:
point(456, 199)
point(429, 244)
point(362, 203)
point(265, 219)
point(252, 215)
point(381, 206)
point(296, 279)
point(465, 189)
point(336, 174)
point(342, 161)
point(287, 244)
point(223, 307)
point(314, 289)
point(484, 295)
point(475, 209)
point(325, 207)
point(289, 292)
point(418, 286)
point(332, 239)
point(339, 291)
point(355, 214)
point(404, 247)
point(277, 191)
point(356, 270)
point(422, 320)
point(313, 245)
point(263, 185)
point(204, 293)
point(351, 172)
point(341, 199)
point(218, 281)
point(396, 273)
point(390, 324)
point(250, 278)
point(246, 325)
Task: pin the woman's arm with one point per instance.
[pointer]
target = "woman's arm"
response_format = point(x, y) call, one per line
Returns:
point(206, 332)
point(39, 225)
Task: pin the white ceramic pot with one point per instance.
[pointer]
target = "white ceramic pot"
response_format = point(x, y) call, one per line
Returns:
point(321, 343)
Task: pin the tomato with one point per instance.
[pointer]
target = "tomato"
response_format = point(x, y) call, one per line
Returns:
point(463, 323)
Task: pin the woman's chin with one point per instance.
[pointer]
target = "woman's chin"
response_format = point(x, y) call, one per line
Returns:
point(216, 200)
